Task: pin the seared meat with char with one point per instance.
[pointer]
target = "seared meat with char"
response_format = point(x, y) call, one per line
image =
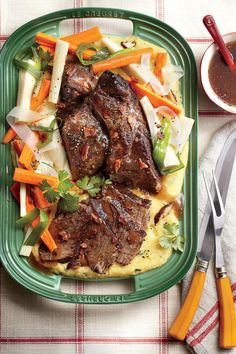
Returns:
point(85, 142)
point(77, 81)
point(130, 160)
point(105, 229)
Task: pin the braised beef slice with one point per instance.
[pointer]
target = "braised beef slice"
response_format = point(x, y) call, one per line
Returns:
point(107, 229)
point(130, 159)
point(77, 81)
point(85, 142)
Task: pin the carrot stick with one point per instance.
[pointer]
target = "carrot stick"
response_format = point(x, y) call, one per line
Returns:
point(155, 99)
point(91, 35)
point(25, 158)
point(161, 59)
point(30, 177)
point(42, 94)
point(121, 60)
point(88, 53)
point(18, 146)
point(48, 240)
point(39, 200)
point(10, 134)
point(46, 237)
point(88, 36)
point(15, 190)
point(30, 205)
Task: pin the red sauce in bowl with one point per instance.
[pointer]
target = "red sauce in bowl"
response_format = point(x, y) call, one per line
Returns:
point(222, 80)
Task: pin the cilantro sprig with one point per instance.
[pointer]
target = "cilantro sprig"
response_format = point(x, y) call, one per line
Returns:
point(171, 238)
point(45, 57)
point(92, 185)
point(68, 199)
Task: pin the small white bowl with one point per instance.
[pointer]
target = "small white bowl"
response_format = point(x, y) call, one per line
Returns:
point(205, 62)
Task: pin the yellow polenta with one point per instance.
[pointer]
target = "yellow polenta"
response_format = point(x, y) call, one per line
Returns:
point(151, 254)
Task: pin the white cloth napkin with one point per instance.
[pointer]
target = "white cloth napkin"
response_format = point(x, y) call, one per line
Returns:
point(204, 331)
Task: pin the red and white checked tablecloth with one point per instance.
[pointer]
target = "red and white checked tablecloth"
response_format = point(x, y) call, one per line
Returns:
point(35, 325)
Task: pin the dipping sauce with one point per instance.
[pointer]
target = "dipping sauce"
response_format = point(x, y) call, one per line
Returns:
point(222, 80)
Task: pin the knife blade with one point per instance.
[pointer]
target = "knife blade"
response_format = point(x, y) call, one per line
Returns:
point(223, 172)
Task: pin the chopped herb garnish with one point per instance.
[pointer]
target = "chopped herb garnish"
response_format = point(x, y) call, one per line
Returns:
point(171, 238)
point(92, 185)
point(68, 199)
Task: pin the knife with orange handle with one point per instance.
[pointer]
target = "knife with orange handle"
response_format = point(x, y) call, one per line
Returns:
point(180, 326)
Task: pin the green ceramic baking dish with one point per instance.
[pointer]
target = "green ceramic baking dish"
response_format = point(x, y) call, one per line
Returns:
point(149, 283)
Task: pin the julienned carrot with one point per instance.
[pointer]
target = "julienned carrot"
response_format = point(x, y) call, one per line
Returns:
point(91, 35)
point(42, 94)
point(18, 146)
point(15, 190)
point(39, 200)
point(88, 53)
point(155, 99)
point(50, 41)
point(10, 134)
point(161, 59)
point(88, 36)
point(46, 237)
point(25, 158)
point(30, 177)
point(121, 60)
point(48, 240)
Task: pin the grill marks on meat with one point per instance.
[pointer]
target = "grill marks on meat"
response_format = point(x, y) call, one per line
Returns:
point(77, 81)
point(85, 142)
point(106, 229)
point(130, 160)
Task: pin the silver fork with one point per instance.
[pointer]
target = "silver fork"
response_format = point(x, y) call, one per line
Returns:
point(218, 222)
point(227, 337)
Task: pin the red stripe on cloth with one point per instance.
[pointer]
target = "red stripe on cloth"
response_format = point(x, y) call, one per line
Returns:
point(3, 37)
point(203, 320)
point(215, 113)
point(74, 18)
point(208, 315)
point(204, 333)
point(198, 40)
point(86, 340)
point(211, 326)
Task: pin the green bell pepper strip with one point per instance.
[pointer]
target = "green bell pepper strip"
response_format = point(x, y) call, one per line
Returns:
point(100, 54)
point(28, 218)
point(40, 227)
point(49, 131)
point(21, 60)
point(160, 147)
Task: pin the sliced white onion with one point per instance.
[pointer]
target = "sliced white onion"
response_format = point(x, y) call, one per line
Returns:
point(24, 115)
point(157, 86)
point(145, 61)
point(55, 151)
point(151, 116)
point(25, 133)
point(150, 77)
point(45, 166)
point(171, 74)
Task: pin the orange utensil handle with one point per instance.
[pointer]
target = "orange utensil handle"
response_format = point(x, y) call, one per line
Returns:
point(180, 326)
point(227, 338)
